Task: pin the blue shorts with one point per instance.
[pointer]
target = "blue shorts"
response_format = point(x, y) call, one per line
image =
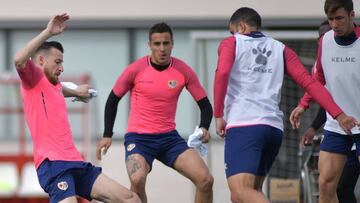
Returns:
point(251, 149)
point(340, 144)
point(165, 147)
point(62, 179)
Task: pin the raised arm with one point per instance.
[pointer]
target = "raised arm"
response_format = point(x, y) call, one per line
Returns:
point(55, 26)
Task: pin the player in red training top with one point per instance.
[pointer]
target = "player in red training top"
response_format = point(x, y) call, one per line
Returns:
point(61, 170)
point(155, 83)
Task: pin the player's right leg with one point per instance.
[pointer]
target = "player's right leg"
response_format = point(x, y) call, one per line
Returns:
point(140, 152)
point(330, 167)
point(137, 169)
point(245, 149)
point(107, 190)
point(333, 150)
point(55, 181)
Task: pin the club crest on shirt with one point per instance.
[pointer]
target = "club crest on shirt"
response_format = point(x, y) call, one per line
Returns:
point(172, 83)
point(62, 185)
point(130, 147)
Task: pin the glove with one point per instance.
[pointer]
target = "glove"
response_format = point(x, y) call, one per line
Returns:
point(194, 141)
point(92, 92)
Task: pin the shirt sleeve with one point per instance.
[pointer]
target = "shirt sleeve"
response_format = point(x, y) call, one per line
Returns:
point(111, 108)
point(319, 120)
point(299, 74)
point(206, 112)
point(30, 75)
point(226, 56)
point(125, 81)
point(318, 75)
point(193, 85)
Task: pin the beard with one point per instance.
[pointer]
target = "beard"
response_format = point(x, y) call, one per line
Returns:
point(51, 77)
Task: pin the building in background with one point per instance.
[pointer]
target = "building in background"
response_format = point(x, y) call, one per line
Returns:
point(104, 36)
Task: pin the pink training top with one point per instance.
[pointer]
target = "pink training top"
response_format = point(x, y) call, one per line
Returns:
point(293, 68)
point(154, 94)
point(46, 116)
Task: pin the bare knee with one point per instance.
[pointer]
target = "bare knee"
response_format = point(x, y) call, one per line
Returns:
point(327, 185)
point(138, 181)
point(205, 183)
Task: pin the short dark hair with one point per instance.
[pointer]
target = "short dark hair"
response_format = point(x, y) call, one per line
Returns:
point(323, 28)
point(46, 46)
point(247, 15)
point(160, 28)
point(332, 5)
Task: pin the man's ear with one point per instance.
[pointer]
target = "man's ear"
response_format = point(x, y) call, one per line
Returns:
point(352, 15)
point(40, 59)
point(242, 27)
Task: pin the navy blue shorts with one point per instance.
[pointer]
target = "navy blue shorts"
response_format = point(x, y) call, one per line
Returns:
point(165, 147)
point(341, 144)
point(251, 149)
point(62, 179)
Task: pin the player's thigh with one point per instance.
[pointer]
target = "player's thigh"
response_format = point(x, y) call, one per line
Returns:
point(241, 181)
point(244, 149)
point(137, 163)
point(105, 188)
point(331, 165)
point(191, 165)
point(140, 152)
point(69, 200)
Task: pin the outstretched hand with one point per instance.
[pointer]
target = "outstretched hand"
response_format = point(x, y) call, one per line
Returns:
point(57, 24)
point(295, 117)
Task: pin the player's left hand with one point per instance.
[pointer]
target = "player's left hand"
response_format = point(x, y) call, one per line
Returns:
point(347, 122)
point(205, 138)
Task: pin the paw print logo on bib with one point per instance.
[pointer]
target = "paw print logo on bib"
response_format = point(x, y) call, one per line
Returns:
point(262, 55)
